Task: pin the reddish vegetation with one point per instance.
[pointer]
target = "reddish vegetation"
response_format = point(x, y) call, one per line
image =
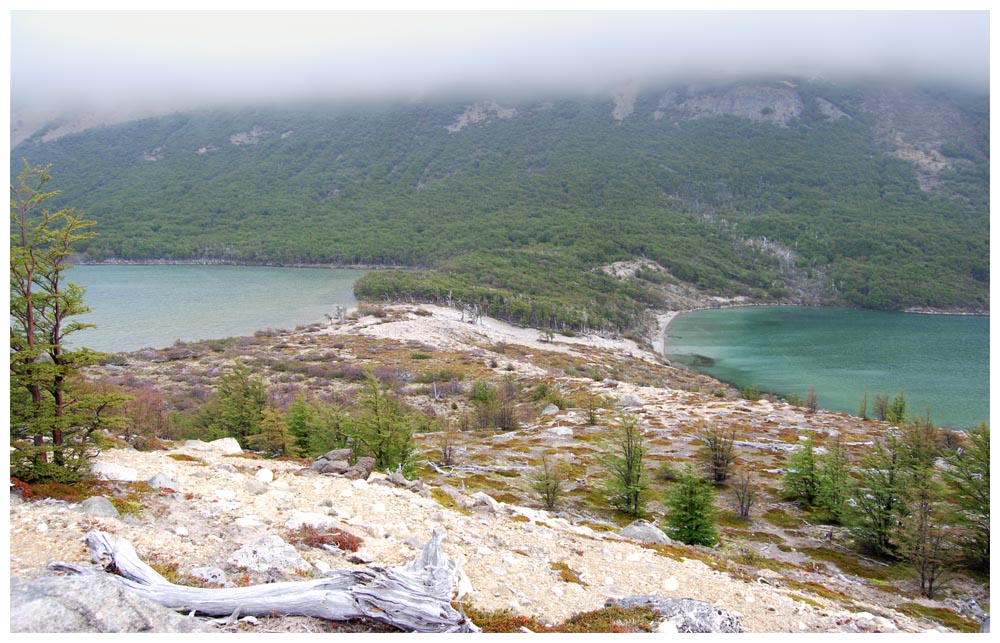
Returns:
point(333, 536)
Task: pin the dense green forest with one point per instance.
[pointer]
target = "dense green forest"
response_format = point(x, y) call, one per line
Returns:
point(517, 211)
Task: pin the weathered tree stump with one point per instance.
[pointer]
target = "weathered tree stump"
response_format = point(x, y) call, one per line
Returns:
point(413, 598)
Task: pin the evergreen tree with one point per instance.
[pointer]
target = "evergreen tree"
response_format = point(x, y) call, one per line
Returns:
point(52, 426)
point(275, 437)
point(802, 480)
point(895, 412)
point(627, 484)
point(923, 536)
point(968, 478)
point(383, 430)
point(317, 426)
point(690, 514)
point(878, 497)
point(237, 408)
point(835, 483)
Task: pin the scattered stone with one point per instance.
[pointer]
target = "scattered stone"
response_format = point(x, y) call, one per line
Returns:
point(645, 532)
point(224, 446)
point(302, 519)
point(361, 557)
point(89, 603)
point(460, 498)
point(264, 475)
point(99, 506)
point(212, 575)
point(163, 481)
point(255, 487)
point(361, 470)
point(115, 472)
point(225, 494)
point(41, 528)
point(332, 467)
point(269, 554)
point(629, 401)
point(182, 531)
point(481, 499)
point(687, 615)
point(551, 409)
point(561, 431)
point(671, 584)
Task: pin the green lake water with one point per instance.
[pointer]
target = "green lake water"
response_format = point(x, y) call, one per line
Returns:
point(152, 306)
point(939, 362)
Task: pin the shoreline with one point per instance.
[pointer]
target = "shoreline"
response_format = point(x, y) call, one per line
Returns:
point(248, 264)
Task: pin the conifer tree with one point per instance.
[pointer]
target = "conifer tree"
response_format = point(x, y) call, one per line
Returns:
point(52, 426)
point(274, 437)
point(968, 478)
point(383, 430)
point(802, 480)
point(690, 514)
point(627, 484)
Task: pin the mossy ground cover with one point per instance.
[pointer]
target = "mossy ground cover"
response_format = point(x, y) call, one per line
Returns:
point(617, 620)
point(943, 615)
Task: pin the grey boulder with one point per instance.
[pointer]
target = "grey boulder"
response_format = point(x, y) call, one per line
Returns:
point(89, 603)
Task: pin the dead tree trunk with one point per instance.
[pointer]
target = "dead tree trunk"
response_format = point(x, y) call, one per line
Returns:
point(413, 598)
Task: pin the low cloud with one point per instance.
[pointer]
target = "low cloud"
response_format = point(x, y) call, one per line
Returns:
point(158, 60)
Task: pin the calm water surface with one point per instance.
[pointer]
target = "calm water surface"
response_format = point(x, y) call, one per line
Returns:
point(153, 306)
point(940, 362)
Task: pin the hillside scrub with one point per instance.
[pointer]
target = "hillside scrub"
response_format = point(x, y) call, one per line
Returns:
point(517, 216)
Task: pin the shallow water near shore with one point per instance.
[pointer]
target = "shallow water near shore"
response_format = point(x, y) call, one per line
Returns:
point(140, 306)
point(940, 362)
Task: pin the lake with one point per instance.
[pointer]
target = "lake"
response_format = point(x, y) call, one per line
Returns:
point(152, 306)
point(940, 362)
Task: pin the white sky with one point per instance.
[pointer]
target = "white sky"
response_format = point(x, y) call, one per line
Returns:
point(151, 58)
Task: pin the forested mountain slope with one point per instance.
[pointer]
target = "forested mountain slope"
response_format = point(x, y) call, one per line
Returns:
point(781, 191)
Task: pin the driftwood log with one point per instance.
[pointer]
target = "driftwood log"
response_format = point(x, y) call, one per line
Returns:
point(414, 598)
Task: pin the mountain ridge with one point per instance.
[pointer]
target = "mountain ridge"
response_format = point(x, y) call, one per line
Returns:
point(877, 197)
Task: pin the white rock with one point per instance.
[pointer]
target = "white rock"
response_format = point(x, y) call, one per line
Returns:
point(666, 627)
point(885, 625)
point(301, 519)
point(464, 586)
point(484, 551)
point(346, 493)
point(225, 494)
point(41, 528)
point(264, 475)
point(116, 472)
point(609, 581)
point(378, 508)
point(633, 558)
point(558, 591)
point(375, 531)
point(225, 446)
point(248, 521)
point(359, 484)
point(561, 430)
point(181, 531)
point(671, 584)
point(321, 566)
point(280, 485)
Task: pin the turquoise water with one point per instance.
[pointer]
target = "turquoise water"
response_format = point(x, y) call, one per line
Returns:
point(940, 362)
point(153, 306)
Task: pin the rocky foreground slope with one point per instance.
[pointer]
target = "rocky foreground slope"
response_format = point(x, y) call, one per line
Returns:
point(213, 515)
